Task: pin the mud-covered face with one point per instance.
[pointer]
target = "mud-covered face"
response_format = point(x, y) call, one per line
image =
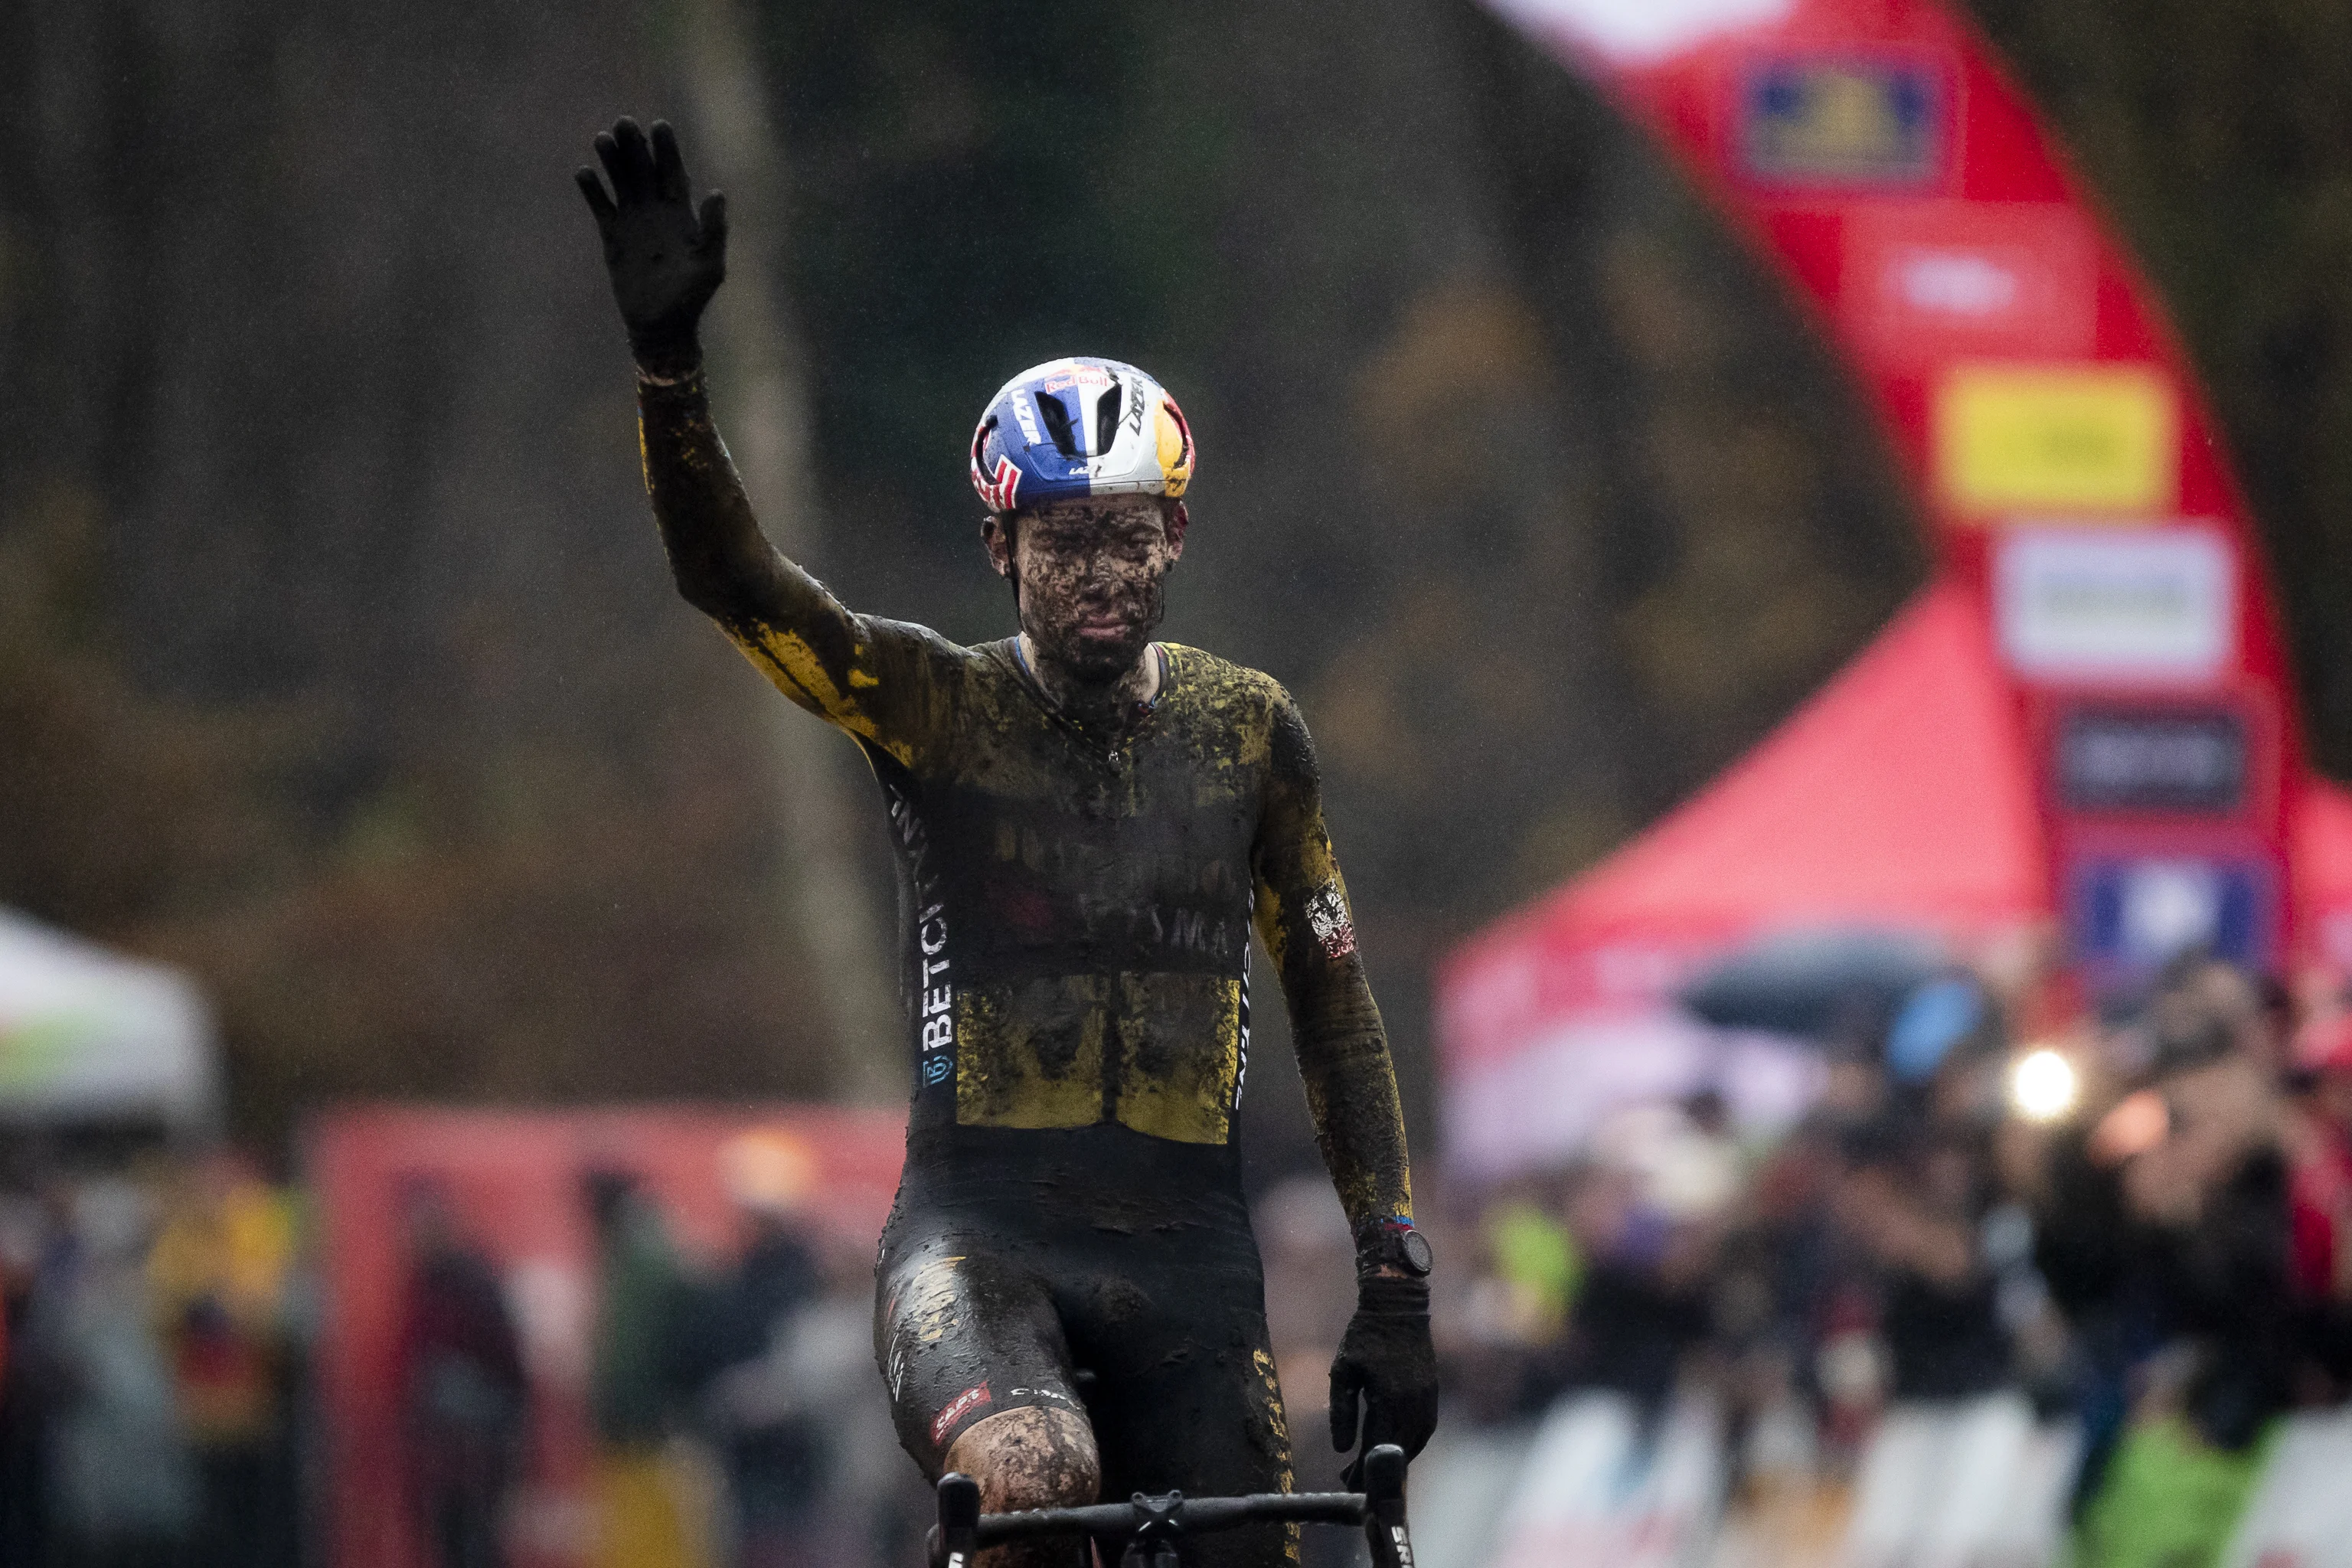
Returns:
point(1089, 574)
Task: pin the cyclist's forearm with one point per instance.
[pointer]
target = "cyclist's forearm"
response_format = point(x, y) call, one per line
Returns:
point(723, 565)
point(1342, 1047)
point(801, 636)
point(1351, 1094)
point(1343, 1052)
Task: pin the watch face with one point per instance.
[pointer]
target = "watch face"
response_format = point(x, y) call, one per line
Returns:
point(1413, 1248)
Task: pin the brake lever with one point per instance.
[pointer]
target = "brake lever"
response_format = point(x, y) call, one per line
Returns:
point(1384, 1523)
point(955, 1540)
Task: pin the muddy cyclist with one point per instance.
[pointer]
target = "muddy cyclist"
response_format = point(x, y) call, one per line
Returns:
point(1087, 824)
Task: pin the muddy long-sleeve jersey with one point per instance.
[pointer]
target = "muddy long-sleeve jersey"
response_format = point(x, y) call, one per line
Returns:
point(1075, 907)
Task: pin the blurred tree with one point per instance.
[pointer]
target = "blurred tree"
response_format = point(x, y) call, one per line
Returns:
point(337, 658)
point(758, 363)
point(306, 332)
point(117, 803)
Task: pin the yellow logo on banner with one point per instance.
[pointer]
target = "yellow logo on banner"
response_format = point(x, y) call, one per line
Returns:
point(2088, 438)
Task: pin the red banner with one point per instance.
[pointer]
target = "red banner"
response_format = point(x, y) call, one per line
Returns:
point(513, 1183)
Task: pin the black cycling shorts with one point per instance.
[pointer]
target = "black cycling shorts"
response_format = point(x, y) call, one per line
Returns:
point(988, 1306)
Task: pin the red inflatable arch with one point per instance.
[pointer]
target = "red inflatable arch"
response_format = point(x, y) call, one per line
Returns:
point(2091, 706)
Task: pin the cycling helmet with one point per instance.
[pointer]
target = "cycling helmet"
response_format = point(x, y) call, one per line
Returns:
point(1077, 428)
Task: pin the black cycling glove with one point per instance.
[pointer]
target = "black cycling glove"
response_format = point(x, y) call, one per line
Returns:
point(1386, 1358)
point(665, 259)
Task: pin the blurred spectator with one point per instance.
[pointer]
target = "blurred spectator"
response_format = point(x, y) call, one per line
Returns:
point(122, 1490)
point(1503, 1320)
point(1628, 1465)
point(1644, 1218)
point(465, 1398)
point(2165, 1236)
point(219, 1269)
point(873, 1505)
point(756, 1407)
point(1913, 1198)
point(23, 1233)
point(633, 1380)
point(2319, 1142)
point(1536, 1261)
point(1770, 1282)
point(1918, 1199)
point(2212, 1193)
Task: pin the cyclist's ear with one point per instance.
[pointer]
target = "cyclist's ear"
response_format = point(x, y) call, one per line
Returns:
point(996, 538)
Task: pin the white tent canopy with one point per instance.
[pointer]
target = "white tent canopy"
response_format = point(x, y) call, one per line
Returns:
point(87, 1035)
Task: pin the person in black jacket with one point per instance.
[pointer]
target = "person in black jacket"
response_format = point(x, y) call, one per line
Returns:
point(465, 1397)
point(2163, 1236)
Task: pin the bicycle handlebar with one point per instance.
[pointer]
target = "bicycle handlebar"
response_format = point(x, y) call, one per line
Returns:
point(1198, 1514)
point(1154, 1524)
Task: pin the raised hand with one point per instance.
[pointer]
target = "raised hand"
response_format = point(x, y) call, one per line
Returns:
point(665, 259)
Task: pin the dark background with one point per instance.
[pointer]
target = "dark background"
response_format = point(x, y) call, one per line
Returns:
point(337, 657)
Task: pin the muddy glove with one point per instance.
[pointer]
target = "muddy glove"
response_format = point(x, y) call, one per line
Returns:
point(1385, 1358)
point(665, 259)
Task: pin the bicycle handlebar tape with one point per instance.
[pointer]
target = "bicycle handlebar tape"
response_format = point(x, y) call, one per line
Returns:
point(956, 1543)
point(1384, 1526)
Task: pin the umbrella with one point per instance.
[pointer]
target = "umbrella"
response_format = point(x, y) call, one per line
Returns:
point(1815, 982)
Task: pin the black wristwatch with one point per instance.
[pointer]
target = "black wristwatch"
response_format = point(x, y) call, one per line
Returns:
point(1394, 1244)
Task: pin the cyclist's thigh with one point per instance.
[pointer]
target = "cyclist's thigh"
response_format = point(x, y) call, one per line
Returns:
point(960, 1337)
point(1185, 1397)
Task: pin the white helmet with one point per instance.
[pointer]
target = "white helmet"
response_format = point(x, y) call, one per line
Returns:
point(1076, 427)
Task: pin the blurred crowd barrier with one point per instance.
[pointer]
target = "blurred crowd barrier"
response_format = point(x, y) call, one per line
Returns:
point(1992, 1303)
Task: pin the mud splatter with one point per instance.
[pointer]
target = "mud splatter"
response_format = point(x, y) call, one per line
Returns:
point(1089, 578)
point(1030, 1459)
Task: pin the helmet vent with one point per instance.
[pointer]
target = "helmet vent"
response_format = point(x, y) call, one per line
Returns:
point(980, 443)
point(1056, 415)
point(1106, 418)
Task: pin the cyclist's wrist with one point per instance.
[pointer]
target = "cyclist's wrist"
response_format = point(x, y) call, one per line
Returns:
point(1388, 1246)
point(667, 357)
point(1384, 1295)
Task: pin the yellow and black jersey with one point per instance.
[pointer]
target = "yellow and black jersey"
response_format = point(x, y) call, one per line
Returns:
point(1076, 907)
